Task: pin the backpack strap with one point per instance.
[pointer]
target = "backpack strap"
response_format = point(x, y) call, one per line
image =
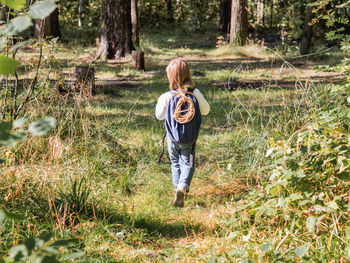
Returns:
point(182, 93)
point(161, 154)
point(192, 155)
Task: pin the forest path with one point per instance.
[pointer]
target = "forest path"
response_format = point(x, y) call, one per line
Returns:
point(253, 66)
point(251, 71)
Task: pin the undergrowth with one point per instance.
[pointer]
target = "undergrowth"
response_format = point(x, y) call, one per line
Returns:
point(301, 209)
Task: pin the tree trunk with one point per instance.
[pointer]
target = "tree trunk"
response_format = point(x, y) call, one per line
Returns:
point(260, 13)
point(239, 22)
point(198, 12)
point(85, 80)
point(225, 16)
point(169, 5)
point(3, 16)
point(307, 32)
point(135, 23)
point(116, 36)
point(181, 12)
point(81, 12)
point(271, 13)
point(48, 27)
point(138, 59)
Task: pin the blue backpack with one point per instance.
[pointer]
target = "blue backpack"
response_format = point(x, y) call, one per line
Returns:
point(186, 133)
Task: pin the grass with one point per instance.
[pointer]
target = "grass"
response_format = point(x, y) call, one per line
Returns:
point(111, 142)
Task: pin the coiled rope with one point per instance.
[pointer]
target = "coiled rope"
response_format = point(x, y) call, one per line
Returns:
point(186, 115)
point(180, 117)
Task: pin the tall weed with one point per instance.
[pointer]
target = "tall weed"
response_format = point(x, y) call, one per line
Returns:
point(302, 209)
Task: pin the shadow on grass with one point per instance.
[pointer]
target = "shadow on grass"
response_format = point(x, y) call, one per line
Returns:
point(153, 226)
point(150, 223)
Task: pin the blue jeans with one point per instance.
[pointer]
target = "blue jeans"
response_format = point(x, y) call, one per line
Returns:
point(182, 164)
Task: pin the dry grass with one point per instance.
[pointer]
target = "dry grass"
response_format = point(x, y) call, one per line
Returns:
point(248, 53)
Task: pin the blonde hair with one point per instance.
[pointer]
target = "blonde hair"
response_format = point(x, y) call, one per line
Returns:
point(179, 76)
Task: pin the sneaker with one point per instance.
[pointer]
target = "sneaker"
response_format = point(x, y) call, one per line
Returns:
point(179, 198)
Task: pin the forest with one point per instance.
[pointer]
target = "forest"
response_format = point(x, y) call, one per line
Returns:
point(82, 83)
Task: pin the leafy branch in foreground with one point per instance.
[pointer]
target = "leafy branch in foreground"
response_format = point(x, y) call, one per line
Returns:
point(39, 249)
point(13, 97)
point(39, 127)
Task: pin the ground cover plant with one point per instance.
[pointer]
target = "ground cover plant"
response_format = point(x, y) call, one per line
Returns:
point(80, 182)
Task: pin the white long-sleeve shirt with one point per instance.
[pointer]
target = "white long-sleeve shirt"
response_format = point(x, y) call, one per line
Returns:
point(164, 99)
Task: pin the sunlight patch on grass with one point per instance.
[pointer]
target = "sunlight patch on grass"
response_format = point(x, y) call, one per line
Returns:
point(246, 52)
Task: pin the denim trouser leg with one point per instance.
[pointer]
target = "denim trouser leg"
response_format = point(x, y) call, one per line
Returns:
point(181, 169)
point(175, 164)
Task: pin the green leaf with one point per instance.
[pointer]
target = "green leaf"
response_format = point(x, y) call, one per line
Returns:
point(43, 238)
point(16, 25)
point(6, 215)
point(265, 247)
point(333, 205)
point(6, 139)
point(41, 127)
point(19, 123)
point(301, 251)
point(310, 223)
point(64, 242)
point(11, 216)
point(275, 174)
point(74, 255)
point(7, 65)
point(42, 9)
point(313, 4)
point(269, 152)
point(51, 250)
point(281, 202)
point(295, 196)
point(29, 243)
point(344, 176)
point(5, 128)
point(271, 211)
point(19, 252)
point(14, 4)
point(20, 136)
point(21, 23)
point(320, 208)
point(2, 217)
point(20, 44)
point(274, 190)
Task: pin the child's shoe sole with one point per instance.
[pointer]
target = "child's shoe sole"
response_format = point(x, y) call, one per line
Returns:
point(179, 198)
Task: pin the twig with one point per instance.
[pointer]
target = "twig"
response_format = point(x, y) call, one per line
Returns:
point(278, 246)
point(228, 83)
point(32, 86)
point(288, 64)
point(312, 54)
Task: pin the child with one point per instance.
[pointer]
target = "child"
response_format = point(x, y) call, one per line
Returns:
point(186, 105)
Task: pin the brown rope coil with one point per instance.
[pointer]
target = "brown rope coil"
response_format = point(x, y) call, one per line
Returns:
point(184, 116)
